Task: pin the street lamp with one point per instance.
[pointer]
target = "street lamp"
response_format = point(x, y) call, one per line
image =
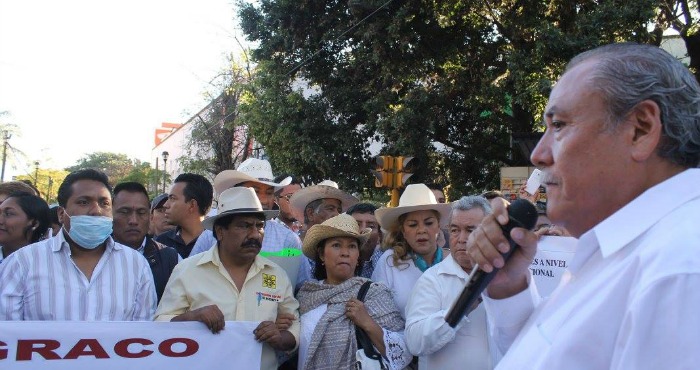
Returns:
point(36, 174)
point(165, 155)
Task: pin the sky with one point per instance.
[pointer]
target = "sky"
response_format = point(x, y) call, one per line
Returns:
point(82, 76)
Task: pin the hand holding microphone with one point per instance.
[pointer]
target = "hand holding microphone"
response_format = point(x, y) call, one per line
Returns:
point(501, 256)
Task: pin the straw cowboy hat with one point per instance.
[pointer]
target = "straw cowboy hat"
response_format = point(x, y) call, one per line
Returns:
point(326, 189)
point(235, 201)
point(252, 169)
point(340, 225)
point(416, 197)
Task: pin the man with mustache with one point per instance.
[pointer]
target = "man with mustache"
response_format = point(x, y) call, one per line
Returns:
point(231, 281)
point(619, 158)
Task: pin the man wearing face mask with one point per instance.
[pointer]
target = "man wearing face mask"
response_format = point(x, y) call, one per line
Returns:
point(81, 274)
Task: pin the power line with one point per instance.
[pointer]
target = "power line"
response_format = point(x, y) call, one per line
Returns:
point(337, 38)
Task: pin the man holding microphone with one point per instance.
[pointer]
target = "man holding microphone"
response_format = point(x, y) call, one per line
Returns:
point(618, 160)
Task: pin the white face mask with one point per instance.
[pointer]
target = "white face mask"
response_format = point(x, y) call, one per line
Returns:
point(89, 231)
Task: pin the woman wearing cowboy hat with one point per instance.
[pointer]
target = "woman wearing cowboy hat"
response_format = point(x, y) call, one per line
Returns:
point(411, 240)
point(329, 307)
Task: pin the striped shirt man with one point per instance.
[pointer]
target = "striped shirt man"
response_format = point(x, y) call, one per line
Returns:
point(41, 282)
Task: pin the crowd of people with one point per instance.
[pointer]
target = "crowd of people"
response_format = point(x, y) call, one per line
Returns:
point(618, 156)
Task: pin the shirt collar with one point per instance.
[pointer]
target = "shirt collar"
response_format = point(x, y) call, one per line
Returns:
point(450, 267)
point(212, 256)
point(644, 211)
point(142, 248)
point(59, 241)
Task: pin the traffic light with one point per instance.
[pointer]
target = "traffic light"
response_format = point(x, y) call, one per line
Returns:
point(383, 171)
point(405, 166)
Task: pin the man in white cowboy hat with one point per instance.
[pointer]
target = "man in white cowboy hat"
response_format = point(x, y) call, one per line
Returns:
point(242, 285)
point(256, 174)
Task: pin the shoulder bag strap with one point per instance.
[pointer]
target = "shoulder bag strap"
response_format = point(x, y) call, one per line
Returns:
point(363, 340)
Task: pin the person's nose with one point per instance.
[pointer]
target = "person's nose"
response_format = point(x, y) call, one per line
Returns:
point(463, 236)
point(255, 233)
point(133, 218)
point(542, 154)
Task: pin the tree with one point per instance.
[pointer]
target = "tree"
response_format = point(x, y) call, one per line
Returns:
point(47, 182)
point(681, 16)
point(446, 81)
point(10, 154)
point(218, 140)
point(119, 168)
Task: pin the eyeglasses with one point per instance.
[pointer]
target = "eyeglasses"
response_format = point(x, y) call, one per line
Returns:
point(543, 226)
point(287, 197)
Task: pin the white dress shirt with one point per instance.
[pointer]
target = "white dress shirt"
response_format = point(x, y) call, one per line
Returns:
point(400, 279)
point(630, 298)
point(41, 282)
point(427, 334)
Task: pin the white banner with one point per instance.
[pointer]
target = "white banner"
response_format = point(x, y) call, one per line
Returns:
point(553, 256)
point(77, 345)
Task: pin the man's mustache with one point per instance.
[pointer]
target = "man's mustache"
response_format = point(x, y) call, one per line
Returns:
point(252, 243)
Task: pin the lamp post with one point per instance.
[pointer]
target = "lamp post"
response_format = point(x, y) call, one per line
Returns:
point(36, 174)
point(165, 155)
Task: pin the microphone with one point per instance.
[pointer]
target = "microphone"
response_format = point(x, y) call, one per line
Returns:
point(521, 213)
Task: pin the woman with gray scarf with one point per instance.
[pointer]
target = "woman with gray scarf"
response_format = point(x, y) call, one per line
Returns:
point(330, 310)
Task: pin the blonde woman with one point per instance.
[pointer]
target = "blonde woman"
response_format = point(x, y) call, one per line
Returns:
point(412, 231)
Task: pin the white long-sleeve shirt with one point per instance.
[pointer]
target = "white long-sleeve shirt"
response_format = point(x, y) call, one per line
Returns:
point(630, 297)
point(41, 282)
point(428, 336)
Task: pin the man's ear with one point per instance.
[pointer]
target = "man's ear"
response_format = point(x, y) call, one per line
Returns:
point(647, 129)
point(61, 213)
point(193, 206)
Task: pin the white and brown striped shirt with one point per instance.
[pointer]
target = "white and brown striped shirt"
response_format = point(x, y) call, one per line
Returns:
point(41, 282)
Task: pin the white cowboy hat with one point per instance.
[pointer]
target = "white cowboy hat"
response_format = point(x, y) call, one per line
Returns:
point(340, 225)
point(304, 196)
point(235, 201)
point(252, 169)
point(416, 197)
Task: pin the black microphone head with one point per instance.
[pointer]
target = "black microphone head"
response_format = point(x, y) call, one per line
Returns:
point(523, 211)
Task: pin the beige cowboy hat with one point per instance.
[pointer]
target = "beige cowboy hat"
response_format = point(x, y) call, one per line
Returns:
point(416, 197)
point(326, 189)
point(252, 169)
point(238, 200)
point(340, 225)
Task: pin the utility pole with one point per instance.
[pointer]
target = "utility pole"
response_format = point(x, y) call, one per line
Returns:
point(36, 174)
point(48, 193)
point(6, 137)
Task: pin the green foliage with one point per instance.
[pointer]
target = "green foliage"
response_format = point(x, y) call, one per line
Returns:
point(119, 168)
point(445, 81)
point(47, 181)
point(218, 141)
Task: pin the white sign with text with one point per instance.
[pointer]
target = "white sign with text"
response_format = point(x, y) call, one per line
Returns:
point(72, 345)
point(553, 256)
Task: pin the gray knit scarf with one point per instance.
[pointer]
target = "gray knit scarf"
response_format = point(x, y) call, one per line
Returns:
point(333, 343)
